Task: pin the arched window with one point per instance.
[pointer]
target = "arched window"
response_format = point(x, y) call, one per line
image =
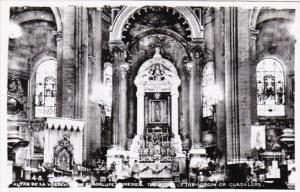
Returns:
point(208, 81)
point(108, 84)
point(270, 88)
point(45, 89)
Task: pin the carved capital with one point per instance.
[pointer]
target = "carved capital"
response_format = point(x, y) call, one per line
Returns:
point(118, 50)
point(198, 50)
point(124, 66)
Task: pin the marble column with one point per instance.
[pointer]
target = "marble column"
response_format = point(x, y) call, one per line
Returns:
point(119, 104)
point(119, 107)
point(197, 56)
point(184, 108)
point(124, 67)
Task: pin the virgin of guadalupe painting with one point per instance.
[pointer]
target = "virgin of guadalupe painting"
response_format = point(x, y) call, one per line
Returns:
point(158, 111)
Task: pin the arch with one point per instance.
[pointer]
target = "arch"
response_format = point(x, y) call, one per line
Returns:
point(281, 57)
point(253, 17)
point(126, 12)
point(37, 59)
point(58, 18)
point(266, 15)
point(32, 15)
point(258, 15)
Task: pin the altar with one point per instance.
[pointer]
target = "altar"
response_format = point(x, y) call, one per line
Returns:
point(157, 146)
point(156, 149)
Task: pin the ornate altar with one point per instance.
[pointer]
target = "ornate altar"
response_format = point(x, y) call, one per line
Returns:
point(63, 154)
point(157, 146)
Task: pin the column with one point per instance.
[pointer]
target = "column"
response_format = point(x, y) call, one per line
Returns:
point(220, 80)
point(185, 92)
point(140, 111)
point(238, 83)
point(231, 79)
point(198, 56)
point(245, 74)
point(119, 104)
point(124, 67)
point(92, 132)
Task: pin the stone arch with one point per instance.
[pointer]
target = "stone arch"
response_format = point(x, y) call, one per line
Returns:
point(253, 17)
point(31, 15)
point(37, 59)
point(282, 57)
point(258, 15)
point(58, 18)
point(126, 12)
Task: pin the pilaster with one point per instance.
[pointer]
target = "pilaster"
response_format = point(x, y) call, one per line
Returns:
point(220, 81)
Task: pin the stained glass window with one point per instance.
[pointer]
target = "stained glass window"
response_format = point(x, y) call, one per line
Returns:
point(208, 81)
point(270, 88)
point(108, 84)
point(45, 89)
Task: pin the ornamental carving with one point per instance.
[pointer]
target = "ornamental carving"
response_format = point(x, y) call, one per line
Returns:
point(198, 50)
point(118, 50)
point(157, 70)
point(63, 154)
point(16, 96)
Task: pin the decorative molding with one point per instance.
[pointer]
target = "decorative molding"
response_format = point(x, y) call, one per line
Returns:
point(65, 123)
point(166, 69)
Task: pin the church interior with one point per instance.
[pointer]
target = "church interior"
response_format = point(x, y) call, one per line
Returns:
point(171, 96)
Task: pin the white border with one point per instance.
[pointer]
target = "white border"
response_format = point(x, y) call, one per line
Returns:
point(4, 11)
